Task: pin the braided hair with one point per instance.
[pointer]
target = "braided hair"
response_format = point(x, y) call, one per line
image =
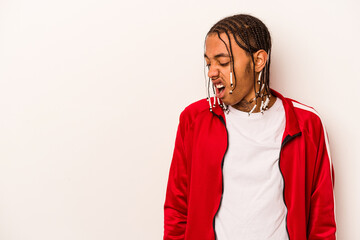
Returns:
point(251, 35)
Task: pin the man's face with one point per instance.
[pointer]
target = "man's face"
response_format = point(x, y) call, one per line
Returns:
point(219, 64)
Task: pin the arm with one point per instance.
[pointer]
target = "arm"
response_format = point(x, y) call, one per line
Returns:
point(322, 217)
point(175, 208)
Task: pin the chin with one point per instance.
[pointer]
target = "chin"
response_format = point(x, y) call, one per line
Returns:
point(226, 101)
point(231, 101)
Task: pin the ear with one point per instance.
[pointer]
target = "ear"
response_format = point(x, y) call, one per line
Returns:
point(260, 58)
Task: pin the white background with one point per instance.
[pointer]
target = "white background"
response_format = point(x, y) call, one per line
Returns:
point(91, 92)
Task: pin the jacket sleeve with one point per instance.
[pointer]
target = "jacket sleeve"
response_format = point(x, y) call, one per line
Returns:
point(322, 224)
point(175, 207)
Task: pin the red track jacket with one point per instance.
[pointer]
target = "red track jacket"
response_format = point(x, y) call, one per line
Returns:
point(195, 188)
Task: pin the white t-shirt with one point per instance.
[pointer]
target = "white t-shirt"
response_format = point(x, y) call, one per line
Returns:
point(252, 206)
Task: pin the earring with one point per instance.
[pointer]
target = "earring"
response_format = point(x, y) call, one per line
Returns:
point(259, 77)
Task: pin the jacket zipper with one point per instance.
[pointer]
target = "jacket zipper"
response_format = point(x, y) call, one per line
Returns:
point(287, 139)
point(222, 177)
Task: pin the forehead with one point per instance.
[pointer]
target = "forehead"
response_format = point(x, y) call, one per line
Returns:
point(214, 46)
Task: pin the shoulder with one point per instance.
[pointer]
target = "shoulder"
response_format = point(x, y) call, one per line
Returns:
point(296, 111)
point(195, 109)
point(195, 112)
point(304, 111)
point(189, 115)
point(308, 118)
point(311, 125)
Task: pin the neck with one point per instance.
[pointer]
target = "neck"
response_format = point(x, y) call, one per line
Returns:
point(246, 106)
point(243, 106)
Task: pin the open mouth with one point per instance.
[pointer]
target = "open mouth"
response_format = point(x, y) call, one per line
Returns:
point(219, 89)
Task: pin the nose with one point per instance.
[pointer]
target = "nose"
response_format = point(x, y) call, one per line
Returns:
point(213, 72)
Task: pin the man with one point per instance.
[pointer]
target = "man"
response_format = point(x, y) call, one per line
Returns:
point(248, 163)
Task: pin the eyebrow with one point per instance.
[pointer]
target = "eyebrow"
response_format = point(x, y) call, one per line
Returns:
point(218, 55)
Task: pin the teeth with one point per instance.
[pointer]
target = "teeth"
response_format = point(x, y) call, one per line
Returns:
point(219, 85)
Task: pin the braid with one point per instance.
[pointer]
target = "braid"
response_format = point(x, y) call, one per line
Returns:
point(251, 35)
point(229, 52)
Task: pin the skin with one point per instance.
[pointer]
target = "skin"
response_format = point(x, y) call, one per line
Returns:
point(219, 63)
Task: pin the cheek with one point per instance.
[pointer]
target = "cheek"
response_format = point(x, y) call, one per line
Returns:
point(244, 70)
point(244, 75)
point(248, 68)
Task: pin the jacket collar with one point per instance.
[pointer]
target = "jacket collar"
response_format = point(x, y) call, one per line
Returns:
point(291, 126)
